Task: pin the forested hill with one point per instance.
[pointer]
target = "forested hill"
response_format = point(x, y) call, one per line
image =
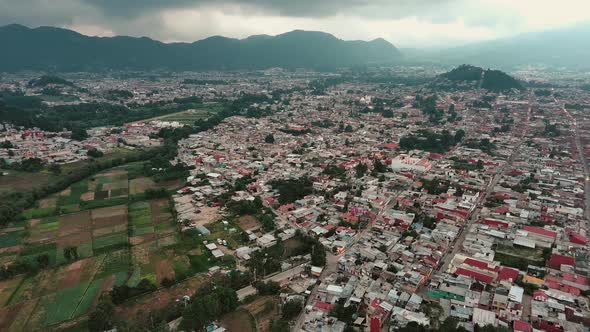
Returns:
point(48, 48)
point(469, 77)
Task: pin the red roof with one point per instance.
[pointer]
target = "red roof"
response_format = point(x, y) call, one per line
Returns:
point(502, 209)
point(475, 275)
point(375, 324)
point(557, 260)
point(436, 155)
point(540, 295)
point(286, 207)
point(350, 216)
point(346, 229)
point(481, 265)
point(578, 279)
point(540, 231)
point(324, 306)
point(391, 146)
point(557, 283)
point(508, 274)
point(495, 223)
point(578, 238)
point(520, 326)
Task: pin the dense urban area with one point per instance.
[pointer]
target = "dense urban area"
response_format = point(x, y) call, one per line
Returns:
point(403, 198)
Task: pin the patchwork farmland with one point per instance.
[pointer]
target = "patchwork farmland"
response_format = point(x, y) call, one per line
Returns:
point(99, 233)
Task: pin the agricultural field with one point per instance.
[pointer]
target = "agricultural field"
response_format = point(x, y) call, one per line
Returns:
point(19, 181)
point(99, 233)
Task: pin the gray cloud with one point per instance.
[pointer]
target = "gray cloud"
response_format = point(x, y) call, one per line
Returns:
point(290, 8)
point(413, 22)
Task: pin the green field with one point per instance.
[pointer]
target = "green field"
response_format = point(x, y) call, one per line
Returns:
point(91, 236)
point(61, 305)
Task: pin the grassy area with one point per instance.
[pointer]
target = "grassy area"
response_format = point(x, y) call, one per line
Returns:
point(518, 257)
point(63, 304)
point(16, 181)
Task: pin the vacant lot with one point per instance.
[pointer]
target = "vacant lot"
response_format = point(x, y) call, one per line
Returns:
point(140, 185)
point(248, 222)
point(239, 320)
point(16, 181)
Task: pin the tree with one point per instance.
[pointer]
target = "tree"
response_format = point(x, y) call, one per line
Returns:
point(102, 318)
point(459, 134)
point(94, 153)
point(43, 260)
point(267, 288)
point(451, 325)
point(208, 305)
point(343, 313)
point(79, 134)
point(270, 139)
point(479, 164)
point(318, 255)
point(361, 170)
point(55, 169)
point(379, 166)
point(71, 253)
point(291, 309)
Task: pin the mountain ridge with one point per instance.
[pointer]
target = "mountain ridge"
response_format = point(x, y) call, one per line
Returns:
point(68, 50)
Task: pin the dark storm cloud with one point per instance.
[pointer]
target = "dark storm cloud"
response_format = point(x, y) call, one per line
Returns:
point(294, 8)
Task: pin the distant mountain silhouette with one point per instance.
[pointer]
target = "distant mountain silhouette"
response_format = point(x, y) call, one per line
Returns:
point(567, 47)
point(47, 48)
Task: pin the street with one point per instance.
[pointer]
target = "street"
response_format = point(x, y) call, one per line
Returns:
point(586, 175)
point(457, 244)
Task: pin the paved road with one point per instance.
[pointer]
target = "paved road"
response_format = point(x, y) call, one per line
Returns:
point(586, 175)
point(457, 244)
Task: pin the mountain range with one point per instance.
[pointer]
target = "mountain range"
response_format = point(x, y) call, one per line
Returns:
point(48, 48)
point(57, 49)
point(556, 48)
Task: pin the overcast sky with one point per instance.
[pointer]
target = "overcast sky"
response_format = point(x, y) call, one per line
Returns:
point(405, 23)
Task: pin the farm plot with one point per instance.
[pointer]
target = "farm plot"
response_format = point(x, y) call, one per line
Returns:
point(140, 185)
point(95, 237)
point(19, 319)
point(140, 219)
point(69, 201)
point(10, 242)
point(111, 184)
point(23, 292)
point(162, 218)
point(7, 288)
